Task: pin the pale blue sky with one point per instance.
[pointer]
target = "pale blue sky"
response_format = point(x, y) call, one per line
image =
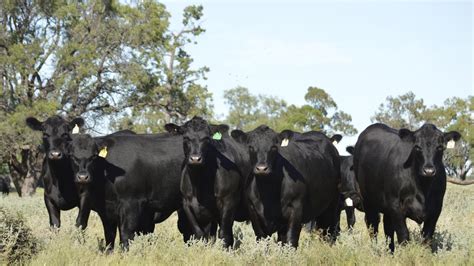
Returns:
point(360, 53)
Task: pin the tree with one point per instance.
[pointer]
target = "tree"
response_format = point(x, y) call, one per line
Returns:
point(167, 88)
point(94, 59)
point(404, 111)
point(247, 111)
point(320, 114)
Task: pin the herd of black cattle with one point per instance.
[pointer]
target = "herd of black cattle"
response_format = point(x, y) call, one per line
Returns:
point(277, 181)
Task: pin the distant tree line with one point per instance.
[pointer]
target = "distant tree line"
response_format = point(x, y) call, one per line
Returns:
point(120, 66)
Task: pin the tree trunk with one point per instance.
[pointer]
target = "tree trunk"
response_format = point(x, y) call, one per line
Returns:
point(26, 173)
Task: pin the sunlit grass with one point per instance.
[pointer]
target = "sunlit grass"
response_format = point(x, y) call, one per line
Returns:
point(455, 239)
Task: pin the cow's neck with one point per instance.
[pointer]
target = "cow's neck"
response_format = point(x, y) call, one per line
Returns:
point(202, 177)
point(61, 171)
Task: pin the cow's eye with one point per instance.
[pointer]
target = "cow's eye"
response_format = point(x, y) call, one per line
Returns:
point(185, 139)
point(440, 148)
point(205, 139)
point(274, 148)
point(65, 135)
point(417, 148)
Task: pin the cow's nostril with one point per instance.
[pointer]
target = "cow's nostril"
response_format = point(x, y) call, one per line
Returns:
point(429, 171)
point(195, 158)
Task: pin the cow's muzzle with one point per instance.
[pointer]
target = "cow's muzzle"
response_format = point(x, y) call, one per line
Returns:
point(83, 178)
point(55, 155)
point(261, 169)
point(429, 171)
point(195, 159)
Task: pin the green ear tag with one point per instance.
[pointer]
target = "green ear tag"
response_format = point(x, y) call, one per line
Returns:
point(217, 136)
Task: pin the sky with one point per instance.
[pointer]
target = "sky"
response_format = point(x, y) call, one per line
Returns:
point(359, 52)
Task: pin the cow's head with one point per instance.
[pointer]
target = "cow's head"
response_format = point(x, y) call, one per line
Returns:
point(56, 134)
point(84, 153)
point(263, 144)
point(427, 146)
point(198, 136)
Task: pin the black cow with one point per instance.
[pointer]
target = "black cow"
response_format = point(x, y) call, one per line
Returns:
point(212, 178)
point(94, 178)
point(146, 176)
point(4, 185)
point(401, 174)
point(60, 192)
point(294, 180)
point(349, 188)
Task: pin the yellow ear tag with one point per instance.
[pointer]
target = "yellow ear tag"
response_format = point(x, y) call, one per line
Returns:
point(75, 130)
point(103, 152)
point(451, 144)
point(285, 142)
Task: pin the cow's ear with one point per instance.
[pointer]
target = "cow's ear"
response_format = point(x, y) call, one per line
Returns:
point(174, 129)
point(34, 124)
point(104, 143)
point(452, 135)
point(285, 134)
point(239, 135)
point(336, 138)
point(406, 135)
point(222, 128)
point(350, 150)
point(79, 121)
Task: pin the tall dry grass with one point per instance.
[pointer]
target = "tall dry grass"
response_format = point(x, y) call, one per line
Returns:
point(455, 239)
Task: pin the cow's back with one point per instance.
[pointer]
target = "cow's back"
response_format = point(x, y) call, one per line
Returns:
point(378, 162)
point(148, 168)
point(315, 160)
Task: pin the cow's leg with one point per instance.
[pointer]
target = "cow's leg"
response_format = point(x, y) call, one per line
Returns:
point(389, 231)
point(400, 226)
point(432, 215)
point(226, 208)
point(351, 219)
point(84, 212)
point(198, 232)
point(372, 220)
point(257, 226)
point(53, 212)
point(282, 234)
point(294, 223)
point(130, 212)
point(110, 230)
point(328, 221)
point(184, 226)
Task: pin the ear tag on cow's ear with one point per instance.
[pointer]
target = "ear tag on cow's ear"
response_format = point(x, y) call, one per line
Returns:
point(334, 143)
point(75, 130)
point(349, 202)
point(103, 152)
point(285, 142)
point(217, 136)
point(450, 144)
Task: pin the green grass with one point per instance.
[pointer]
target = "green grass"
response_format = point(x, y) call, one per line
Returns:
point(455, 236)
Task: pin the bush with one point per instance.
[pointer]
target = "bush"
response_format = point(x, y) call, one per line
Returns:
point(17, 243)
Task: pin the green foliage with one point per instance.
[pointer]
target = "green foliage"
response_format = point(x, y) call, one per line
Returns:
point(70, 246)
point(96, 59)
point(247, 111)
point(166, 85)
point(17, 243)
point(404, 111)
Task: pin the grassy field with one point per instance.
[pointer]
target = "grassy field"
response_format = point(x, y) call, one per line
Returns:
point(455, 237)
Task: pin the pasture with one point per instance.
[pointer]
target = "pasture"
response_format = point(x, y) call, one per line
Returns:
point(454, 238)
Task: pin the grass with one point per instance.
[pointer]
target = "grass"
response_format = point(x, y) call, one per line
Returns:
point(455, 239)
